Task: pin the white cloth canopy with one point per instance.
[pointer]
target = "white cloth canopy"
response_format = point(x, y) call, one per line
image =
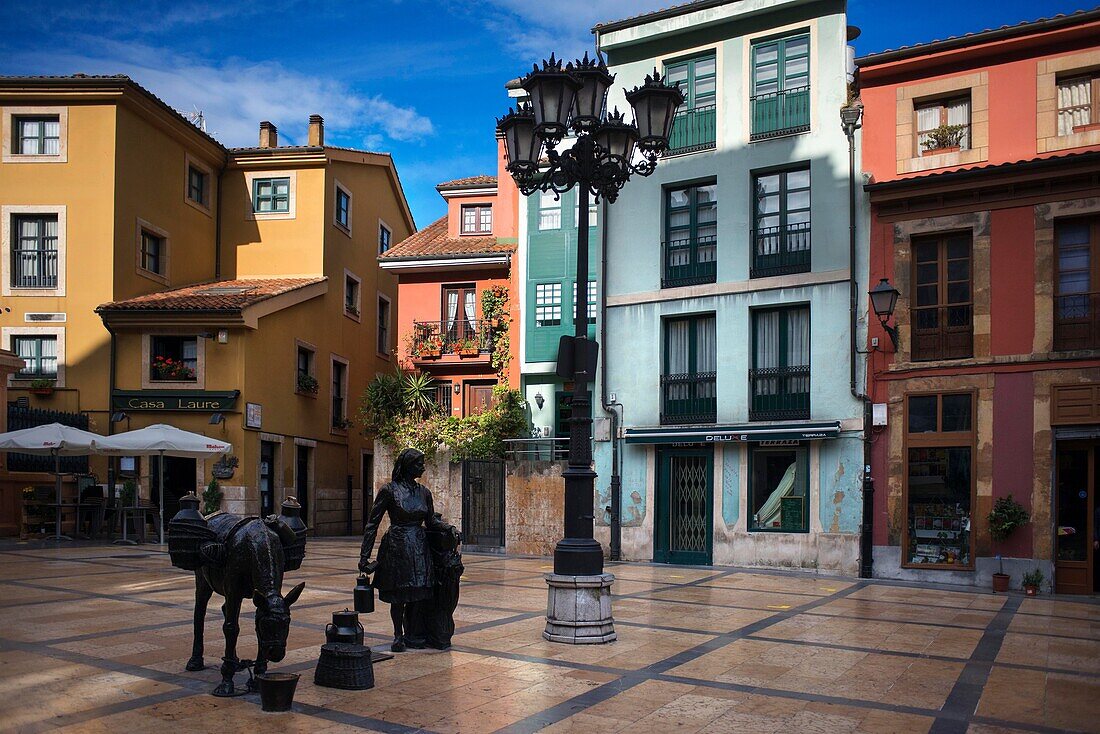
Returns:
point(161, 440)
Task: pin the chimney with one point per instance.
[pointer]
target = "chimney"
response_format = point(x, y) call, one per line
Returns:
point(269, 135)
point(316, 131)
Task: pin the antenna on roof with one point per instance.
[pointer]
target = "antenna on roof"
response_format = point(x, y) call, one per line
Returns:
point(196, 118)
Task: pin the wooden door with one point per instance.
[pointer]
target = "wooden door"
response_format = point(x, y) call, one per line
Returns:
point(1074, 506)
point(479, 397)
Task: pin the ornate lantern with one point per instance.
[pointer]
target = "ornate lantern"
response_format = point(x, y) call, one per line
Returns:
point(552, 91)
point(520, 141)
point(654, 105)
point(588, 105)
point(617, 137)
point(883, 299)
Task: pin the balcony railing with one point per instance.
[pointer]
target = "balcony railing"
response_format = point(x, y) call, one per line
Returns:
point(537, 449)
point(693, 130)
point(779, 393)
point(434, 339)
point(781, 250)
point(689, 398)
point(690, 262)
point(780, 113)
point(1077, 321)
point(33, 268)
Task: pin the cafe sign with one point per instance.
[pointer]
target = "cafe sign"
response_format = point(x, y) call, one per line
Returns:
point(179, 401)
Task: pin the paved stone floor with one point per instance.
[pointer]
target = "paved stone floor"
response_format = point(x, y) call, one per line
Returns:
point(94, 638)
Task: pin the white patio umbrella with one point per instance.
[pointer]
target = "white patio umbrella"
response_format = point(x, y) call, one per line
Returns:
point(161, 440)
point(54, 439)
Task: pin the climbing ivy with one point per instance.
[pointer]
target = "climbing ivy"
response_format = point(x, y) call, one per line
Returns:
point(494, 310)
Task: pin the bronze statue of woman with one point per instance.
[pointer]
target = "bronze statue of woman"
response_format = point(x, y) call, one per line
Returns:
point(403, 571)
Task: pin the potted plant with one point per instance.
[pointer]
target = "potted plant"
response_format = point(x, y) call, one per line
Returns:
point(174, 370)
point(211, 498)
point(468, 348)
point(1007, 515)
point(1032, 581)
point(42, 386)
point(308, 384)
point(943, 139)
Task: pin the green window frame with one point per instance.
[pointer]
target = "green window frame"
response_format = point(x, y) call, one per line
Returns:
point(698, 79)
point(591, 306)
point(779, 381)
point(781, 222)
point(271, 195)
point(774, 489)
point(781, 64)
point(689, 370)
point(691, 235)
point(152, 252)
point(39, 355)
point(37, 135)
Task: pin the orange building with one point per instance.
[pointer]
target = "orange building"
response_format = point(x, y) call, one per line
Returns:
point(457, 300)
point(983, 155)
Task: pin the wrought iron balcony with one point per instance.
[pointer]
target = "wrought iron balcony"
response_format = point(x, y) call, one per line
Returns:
point(689, 398)
point(33, 268)
point(781, 250)
point(690, 262)
point(693, 130)
point(780, 113)
point(554, 448)
point(465, 338)
point(779, 393)
point(1077, 321)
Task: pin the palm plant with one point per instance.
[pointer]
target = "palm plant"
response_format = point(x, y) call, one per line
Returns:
point(418, 393)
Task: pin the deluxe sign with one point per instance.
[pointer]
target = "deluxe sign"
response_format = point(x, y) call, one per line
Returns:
point(187, 401)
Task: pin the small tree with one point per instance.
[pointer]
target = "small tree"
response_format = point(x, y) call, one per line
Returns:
point(1007, 515)
point(211, 498)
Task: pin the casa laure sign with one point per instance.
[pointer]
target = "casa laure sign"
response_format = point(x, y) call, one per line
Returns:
point(178, 401)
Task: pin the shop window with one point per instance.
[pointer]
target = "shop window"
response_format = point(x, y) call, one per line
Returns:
point(942, 301)
point(939, 487)
point(173, 358)
point(779, 495)
point(1077, 284)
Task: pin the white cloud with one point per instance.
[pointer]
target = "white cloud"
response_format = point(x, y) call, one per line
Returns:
point(236, 94)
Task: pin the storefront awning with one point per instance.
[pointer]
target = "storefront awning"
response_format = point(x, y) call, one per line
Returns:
point(802, 431)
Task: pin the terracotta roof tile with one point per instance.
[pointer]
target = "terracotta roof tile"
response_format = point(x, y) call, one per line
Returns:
point(222, 295)
point(482, 180)
point(432, 241)
point(1050, 161)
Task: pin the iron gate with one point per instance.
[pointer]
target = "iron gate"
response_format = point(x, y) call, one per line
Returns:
point(483, 503)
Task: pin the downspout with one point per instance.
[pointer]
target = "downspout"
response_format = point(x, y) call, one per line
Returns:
point(609, 407)
point(218, 225)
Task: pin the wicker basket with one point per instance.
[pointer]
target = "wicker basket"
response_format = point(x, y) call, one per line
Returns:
point(344, 665)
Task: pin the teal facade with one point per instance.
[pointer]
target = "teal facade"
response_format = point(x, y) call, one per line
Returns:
point(778, 503)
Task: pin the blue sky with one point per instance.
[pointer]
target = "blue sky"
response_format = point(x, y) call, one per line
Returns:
point(422, 79)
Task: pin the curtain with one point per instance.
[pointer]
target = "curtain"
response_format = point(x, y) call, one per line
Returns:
point(958, 113)
point(468, 310)
point(706, 355)
point(798, 348)
point(452, 308)
point(679, 342)
point(53, 133)
point(49, 356)
point(1074, 101)
point(928, 118)
point(767, 351)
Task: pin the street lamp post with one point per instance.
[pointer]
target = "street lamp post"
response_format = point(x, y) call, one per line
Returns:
point(606, 152)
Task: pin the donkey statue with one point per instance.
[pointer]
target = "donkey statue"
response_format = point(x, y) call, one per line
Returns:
point(245, 559)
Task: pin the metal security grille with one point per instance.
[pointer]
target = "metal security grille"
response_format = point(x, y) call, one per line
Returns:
point(483, 503)
point(689, 488)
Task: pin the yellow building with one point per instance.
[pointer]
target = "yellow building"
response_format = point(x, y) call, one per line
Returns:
point(240, 286)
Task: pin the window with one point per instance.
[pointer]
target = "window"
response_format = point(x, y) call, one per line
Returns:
point(477, 219)
point(694, 125)
point(779, 495)
point(548, 304)
point(173, 358)
point(34, 254)
point(343, 208)
point(460, 308)
point(780, 375)
point(384, 238)
point(942, 308)
point(943, 125)
point(351, 295)
point(691, 235)
point(37, 135)
point(1078, 104)
point(152, 255)
point(688, 391)
point(781, 223)
point(383, 325)
point(339, 403)
point(780, 87)
point(591, 310)
point(39, 355)
point(939, 483)
point(198, 182)
point(549, 210)
point(1076, 325)
point(443, 395)
point(305, 362)
point(271, 195)
point(593, 214)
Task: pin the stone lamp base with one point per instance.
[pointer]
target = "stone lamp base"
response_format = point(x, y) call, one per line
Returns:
point(578, 609)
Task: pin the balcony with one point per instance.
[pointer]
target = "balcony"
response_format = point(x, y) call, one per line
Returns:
point(689, 398)
point(33, 268)
point(781, 250)
point(1077, 321)
point(780, 113)
point(439, 339)
point(690, 262)
point(693, 130)
point(780, 393)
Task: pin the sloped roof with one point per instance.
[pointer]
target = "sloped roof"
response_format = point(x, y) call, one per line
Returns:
point(432, 241)
point(482, 180)
point(1045, 162)
point(222, 295)
point(671, 10)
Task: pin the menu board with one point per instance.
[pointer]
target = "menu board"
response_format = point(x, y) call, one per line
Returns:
point(792, 514)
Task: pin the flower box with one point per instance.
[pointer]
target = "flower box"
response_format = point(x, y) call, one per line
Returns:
point(1088, 128)
point(939, 151)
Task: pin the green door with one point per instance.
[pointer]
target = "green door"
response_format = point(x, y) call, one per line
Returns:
point(685, 486)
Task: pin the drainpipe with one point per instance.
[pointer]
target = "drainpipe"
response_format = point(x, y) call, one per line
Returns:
point(218, 225)
point(609, 407)
point(850, 116)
